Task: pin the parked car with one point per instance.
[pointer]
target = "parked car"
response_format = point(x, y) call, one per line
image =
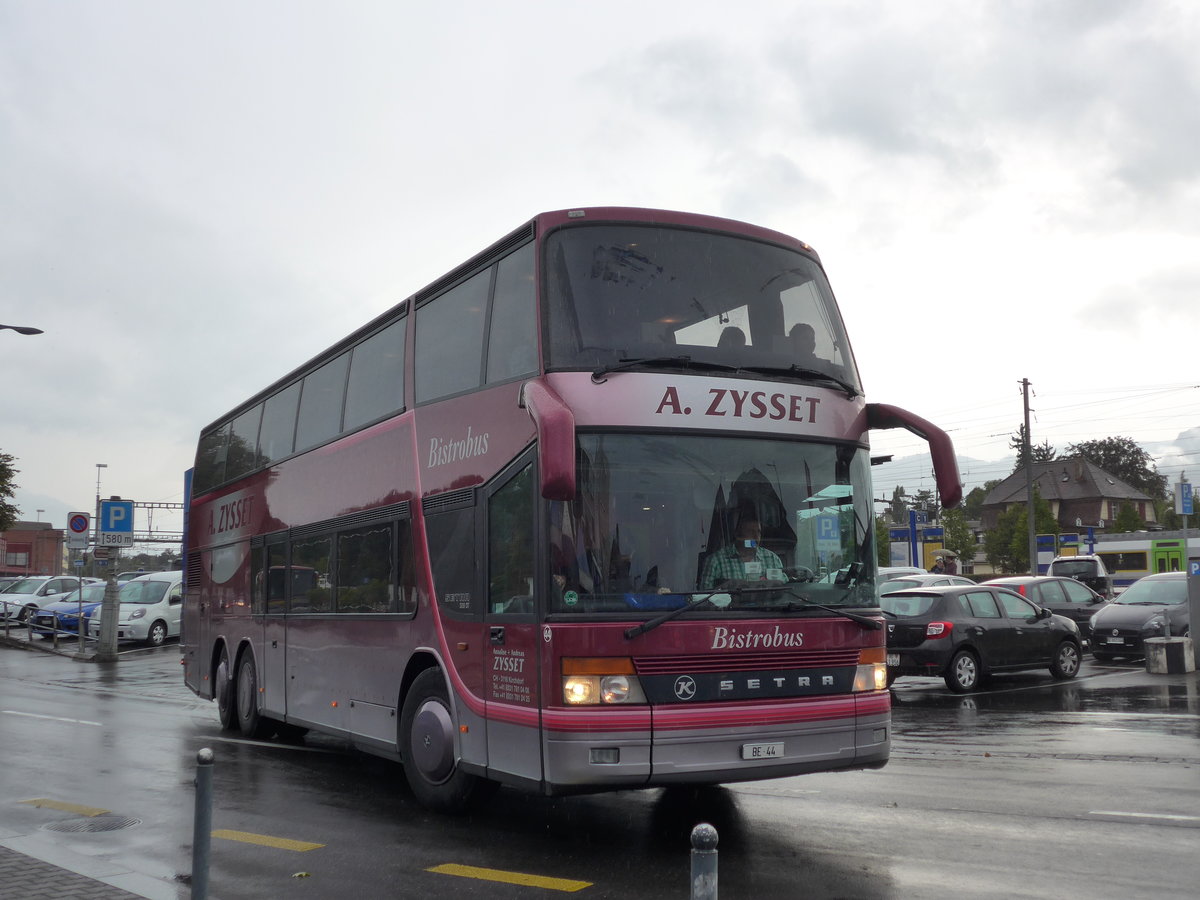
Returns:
point(964, 634)
point(1153, 606)
point(1089, 570)
point(21, 599)
point(63, 614)
point(1065, 596)
point(884, 572)
point(150, 609)
point(900, 582)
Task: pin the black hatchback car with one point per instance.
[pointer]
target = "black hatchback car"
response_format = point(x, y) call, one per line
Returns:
point(964, 634)
point(1064, 596)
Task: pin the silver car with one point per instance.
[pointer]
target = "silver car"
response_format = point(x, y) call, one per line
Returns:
point(150, 610)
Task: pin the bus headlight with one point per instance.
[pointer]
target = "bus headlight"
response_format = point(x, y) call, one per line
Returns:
point(871, 672)
point(600, 681)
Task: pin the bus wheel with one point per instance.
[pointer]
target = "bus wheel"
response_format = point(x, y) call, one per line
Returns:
point(223, 693)
point(427, 748)
point(250, 722)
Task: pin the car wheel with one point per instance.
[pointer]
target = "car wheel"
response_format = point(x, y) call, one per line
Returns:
point(26, 613)
point(251, 723)
point(157, 635)
point(427, 748)
point(963, 674)
point(1066, 660)
point(223, 693)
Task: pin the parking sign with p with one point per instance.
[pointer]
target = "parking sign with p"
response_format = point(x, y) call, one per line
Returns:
point(116, 523)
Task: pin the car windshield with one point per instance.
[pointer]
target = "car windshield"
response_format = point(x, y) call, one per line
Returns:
point(143, 591)
point(897, 584)
point(659, 520)
point(907, 605)
point(25, 586)
point(1169, 591)
point(92, 593)
point(628, 295)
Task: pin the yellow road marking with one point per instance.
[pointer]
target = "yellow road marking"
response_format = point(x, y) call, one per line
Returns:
point(45, 803)
point(265, 840)
point(554, 884)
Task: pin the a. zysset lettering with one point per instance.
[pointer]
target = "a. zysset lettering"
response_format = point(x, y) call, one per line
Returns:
point(728, 403)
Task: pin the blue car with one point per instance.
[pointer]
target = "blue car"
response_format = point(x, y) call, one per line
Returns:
point(63, 614)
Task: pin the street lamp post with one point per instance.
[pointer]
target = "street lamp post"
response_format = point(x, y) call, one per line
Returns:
point(22, 329)
point(96, 521)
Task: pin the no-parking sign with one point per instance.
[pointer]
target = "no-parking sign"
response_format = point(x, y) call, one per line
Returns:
point(78, 526)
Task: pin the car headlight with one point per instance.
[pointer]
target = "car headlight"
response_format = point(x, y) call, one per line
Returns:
point(137, 613)
point(600, 681)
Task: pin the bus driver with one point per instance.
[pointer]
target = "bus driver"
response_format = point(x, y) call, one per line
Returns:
point(743, 560)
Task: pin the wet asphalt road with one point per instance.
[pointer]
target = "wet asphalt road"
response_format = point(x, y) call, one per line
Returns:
point(1034, 788)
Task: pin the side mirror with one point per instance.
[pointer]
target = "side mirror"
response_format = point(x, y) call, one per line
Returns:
point(1043, 613)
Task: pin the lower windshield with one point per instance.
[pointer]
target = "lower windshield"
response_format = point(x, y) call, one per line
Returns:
point(662, 521)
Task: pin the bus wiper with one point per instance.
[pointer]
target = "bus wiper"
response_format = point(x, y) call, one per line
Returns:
point(697, 600)
point(802, 372)
point(805, 603)
point(630, 363)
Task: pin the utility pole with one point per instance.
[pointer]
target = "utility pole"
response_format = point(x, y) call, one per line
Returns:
point(1031, 518)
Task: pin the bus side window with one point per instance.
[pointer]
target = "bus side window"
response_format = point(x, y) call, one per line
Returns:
point(510, 546)
point(512, 334)
point(452, 552)
point(449, 346)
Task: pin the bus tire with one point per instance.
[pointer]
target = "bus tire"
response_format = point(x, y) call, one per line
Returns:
point(250, 722)
point(427, 733)
point(223, 693)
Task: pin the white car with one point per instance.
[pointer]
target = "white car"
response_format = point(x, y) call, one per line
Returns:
point(22, 598)
point(150, 611)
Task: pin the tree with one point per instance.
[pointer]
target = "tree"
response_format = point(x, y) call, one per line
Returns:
point(1007, 545)
point(883, 543)
point(973, 504)
point(959, 539)
point(1042, 452)
point(1127, 519)
point(8, 489)
point(1122, 457)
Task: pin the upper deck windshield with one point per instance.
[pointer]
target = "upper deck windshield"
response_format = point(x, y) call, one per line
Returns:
point(655, 525)
point(658, 294)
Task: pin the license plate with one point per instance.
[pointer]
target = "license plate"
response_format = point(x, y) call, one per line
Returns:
point(1113, 640)
point(893, 659)
point(762, 751)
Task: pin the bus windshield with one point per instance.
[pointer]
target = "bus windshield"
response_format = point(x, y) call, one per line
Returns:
point(658, 518)
point(620, 293)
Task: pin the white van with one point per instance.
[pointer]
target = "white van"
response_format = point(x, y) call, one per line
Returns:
point(150, 611)
point(1087, 570)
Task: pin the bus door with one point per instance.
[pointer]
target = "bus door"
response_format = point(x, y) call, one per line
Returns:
point(511, 647)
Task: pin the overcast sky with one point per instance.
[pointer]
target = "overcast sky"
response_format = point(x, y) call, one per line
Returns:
point(197, 197)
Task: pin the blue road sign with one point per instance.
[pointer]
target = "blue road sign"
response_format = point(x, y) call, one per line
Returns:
point(116, 523)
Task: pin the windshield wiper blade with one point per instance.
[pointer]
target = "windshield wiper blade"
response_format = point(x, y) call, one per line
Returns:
point(650, 624)
point(866, 622)
point(633, 362)
point(803, 372)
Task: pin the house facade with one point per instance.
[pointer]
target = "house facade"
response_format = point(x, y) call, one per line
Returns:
point(1080, 494)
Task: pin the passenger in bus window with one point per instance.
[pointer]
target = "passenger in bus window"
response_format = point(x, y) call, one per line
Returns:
point(742, 560)
point(731, 338)
point(804, 340)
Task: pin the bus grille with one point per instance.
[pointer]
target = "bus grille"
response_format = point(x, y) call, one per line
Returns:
point(745, 662)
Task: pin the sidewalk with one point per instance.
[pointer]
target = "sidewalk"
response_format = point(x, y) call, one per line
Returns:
point(28, 878)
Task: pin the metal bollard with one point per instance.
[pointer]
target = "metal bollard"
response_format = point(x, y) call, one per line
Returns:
point(704, 862)
point(202, 824)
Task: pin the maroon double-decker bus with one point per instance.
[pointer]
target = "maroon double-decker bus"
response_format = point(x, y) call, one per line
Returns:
point(592, 511)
